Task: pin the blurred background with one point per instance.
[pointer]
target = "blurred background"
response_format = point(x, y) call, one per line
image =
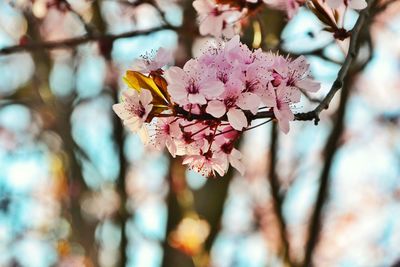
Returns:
point(76, 189)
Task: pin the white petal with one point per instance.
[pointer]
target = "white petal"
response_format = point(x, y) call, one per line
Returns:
point(219, 169)
point(171, 146)
point(237, 119)
point(133, 124)
point(120, 110)
point(216, 108)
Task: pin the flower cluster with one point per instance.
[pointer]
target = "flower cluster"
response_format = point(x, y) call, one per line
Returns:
point(199, 111)
point(223, 17)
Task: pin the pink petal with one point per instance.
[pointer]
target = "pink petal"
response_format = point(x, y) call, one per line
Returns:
point(232, 43)
point(202, 6)
point(216, 108)
point(334, 3)
point(249, 101)
point(308, 85)
point(234, 159)
point(163, 57)
point(197, 99)
point(175, 74)
point(145, 97)
point(178, 92)
point(358, 4)
point(237, 119)
point(211, 25)
point(284, 115)
point(212, 88)
point(284, 126)
point(268, 96)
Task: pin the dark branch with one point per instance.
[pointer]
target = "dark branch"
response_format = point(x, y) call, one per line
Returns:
point(338, 83)
point(73, 42)
point(276, 195)
point(323, 191)
point(344, 80)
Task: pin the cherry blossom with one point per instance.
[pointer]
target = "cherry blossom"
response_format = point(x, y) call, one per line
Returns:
point(354, 4)
point(147, 64)
point(166, 132)
point(201, 110)
point(206, 164)
point(189, 85)
point(216, 20)
point(289, 6)
point(134, 111)
point(229, 153)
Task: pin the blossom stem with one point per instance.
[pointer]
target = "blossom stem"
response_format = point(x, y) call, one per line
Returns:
point(199, 131)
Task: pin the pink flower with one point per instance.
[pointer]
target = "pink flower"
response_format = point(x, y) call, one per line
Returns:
point(216, 20)
point(229, 154)
point(147, 65)
point(233, 102)
point(281, 106)
point(289, 6)
point(238, 53)
point(192, 84)
point(299, 75)
point(206, 164)
point(212, 100)
point(294, 74)
point(134, 110)
point(167, 132)
point(355, 4)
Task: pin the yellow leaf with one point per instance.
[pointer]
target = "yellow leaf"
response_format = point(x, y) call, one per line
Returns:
point(138, 81)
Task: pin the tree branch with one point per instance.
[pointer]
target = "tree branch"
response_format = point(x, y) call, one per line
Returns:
point(338, 83)
point(276, 195)
point(72, 42)
point(344, 80)
point(323, 191)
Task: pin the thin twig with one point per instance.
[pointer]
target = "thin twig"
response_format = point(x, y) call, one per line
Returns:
point(310, 97)
point(332, 143)
point(338, 83)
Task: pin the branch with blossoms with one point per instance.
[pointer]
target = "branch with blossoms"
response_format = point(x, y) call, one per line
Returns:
point(200, 111)
point(227, 17)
